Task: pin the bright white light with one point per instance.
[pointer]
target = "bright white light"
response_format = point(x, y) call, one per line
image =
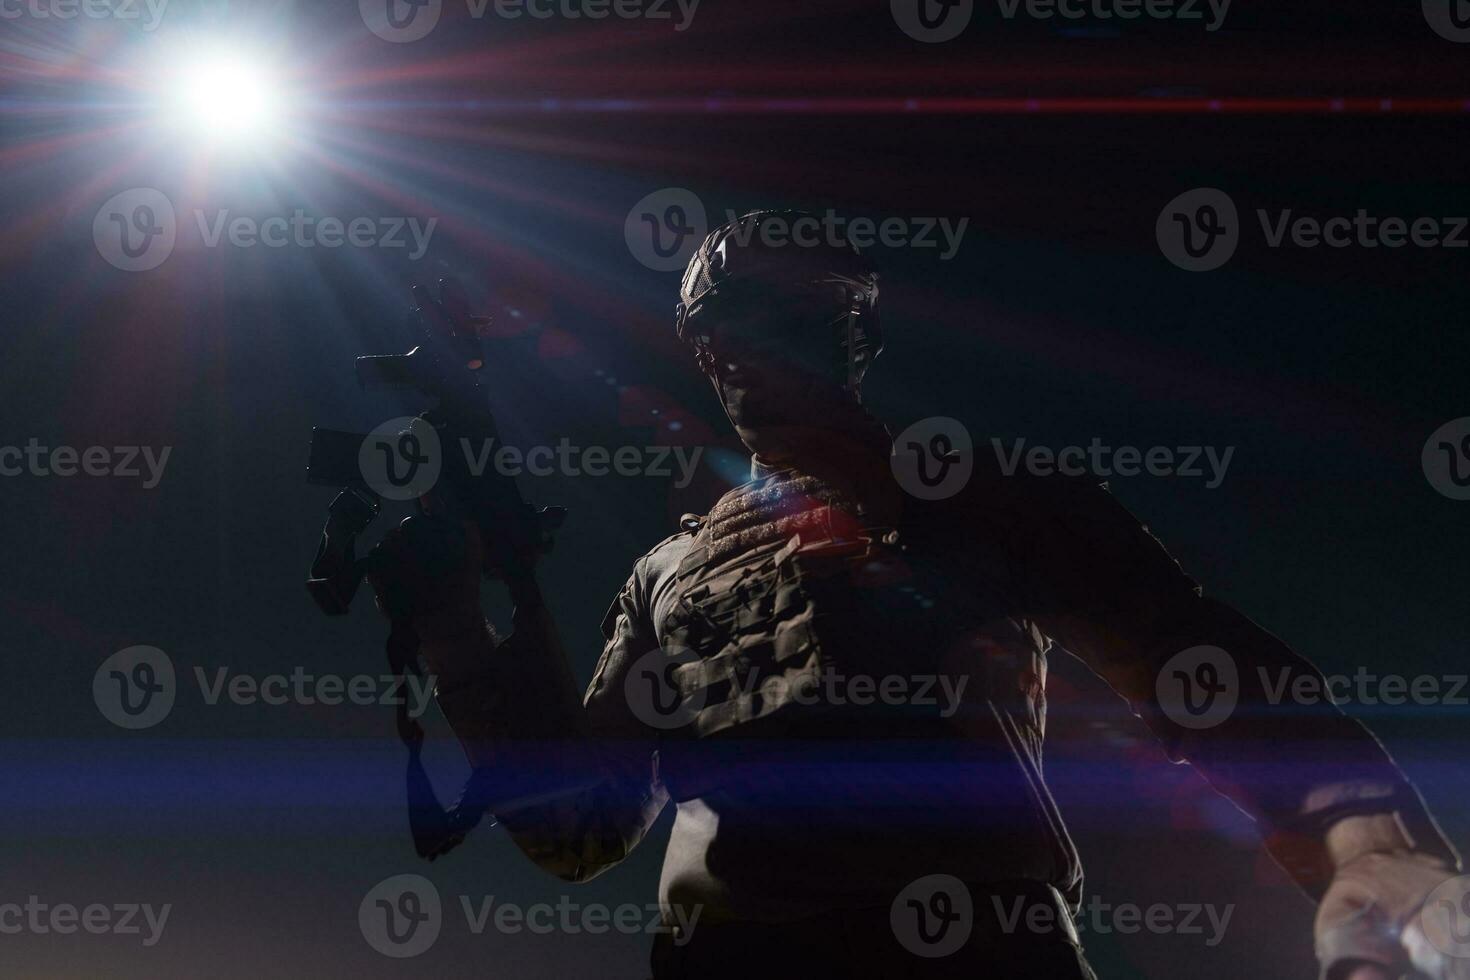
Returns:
point(224, 97)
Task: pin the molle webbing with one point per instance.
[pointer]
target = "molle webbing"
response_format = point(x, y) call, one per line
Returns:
point(774, 509)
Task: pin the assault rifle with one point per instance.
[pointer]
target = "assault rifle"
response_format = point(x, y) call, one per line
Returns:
point(421, 461)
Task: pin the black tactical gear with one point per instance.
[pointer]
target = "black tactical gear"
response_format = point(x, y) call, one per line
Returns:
point(781, 261)
point(788, 807)
point(857, 678)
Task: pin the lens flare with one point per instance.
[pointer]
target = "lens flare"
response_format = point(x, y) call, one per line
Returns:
point(226, 97)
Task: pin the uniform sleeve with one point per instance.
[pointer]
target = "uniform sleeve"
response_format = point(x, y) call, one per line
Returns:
point(581, 834)
point(1206, 680)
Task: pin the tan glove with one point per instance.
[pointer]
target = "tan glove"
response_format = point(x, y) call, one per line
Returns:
point(1387, 914)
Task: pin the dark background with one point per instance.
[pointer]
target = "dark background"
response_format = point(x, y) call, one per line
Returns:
point(1058, 321)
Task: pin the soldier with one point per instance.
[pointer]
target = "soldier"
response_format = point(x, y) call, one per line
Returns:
point(763, 670)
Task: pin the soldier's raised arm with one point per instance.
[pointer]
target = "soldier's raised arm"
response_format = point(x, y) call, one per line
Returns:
point(1333, 808)
point(573, 783)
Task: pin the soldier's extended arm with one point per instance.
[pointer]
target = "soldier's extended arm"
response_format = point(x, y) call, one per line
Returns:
point(1331, 803)
point(515, 708)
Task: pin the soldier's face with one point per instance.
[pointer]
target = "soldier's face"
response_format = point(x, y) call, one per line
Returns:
point(780, 389)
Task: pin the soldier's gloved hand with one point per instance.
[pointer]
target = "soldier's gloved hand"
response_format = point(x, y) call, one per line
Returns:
point(426, 571)
point(1390, 915)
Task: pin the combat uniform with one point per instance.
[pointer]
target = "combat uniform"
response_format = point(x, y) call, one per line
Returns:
point(803, 814)
point(817, 778)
